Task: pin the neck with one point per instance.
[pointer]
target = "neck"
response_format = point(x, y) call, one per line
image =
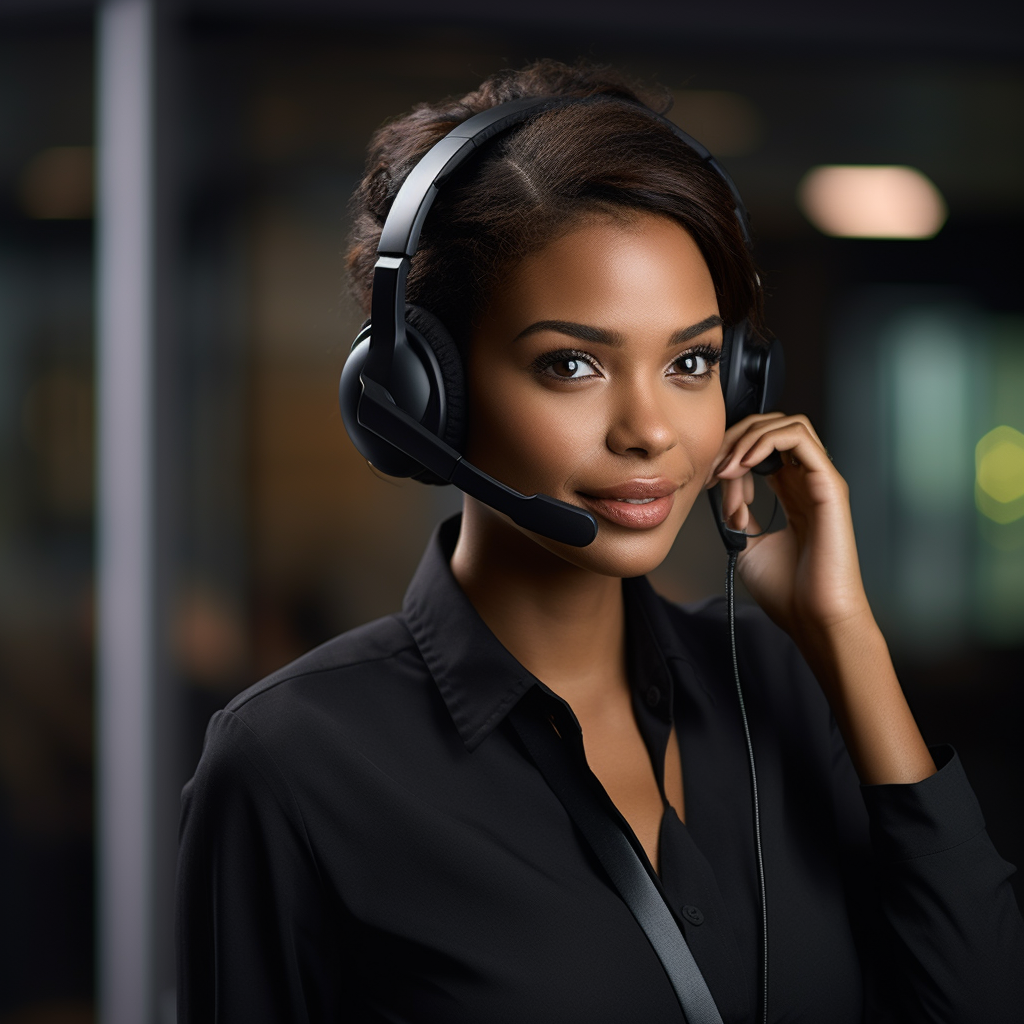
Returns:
point(564, 624)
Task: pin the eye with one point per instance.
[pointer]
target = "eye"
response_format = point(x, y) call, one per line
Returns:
point(692, 364)
point(572, 368)
point(696, 363)
point(566, 365)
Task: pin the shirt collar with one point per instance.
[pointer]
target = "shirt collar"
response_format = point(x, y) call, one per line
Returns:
point(479, 680)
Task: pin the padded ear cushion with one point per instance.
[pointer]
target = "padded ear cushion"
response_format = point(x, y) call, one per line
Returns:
point(740, 374)
point(453, 374)
point(752, 375)
point(730, 372)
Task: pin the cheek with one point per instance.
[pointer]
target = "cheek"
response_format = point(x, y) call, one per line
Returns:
point(527, 437)
point(706, 431)
point(702, 436)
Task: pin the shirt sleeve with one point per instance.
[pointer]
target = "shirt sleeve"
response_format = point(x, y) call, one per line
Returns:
point(252, 934)
point(953, 948)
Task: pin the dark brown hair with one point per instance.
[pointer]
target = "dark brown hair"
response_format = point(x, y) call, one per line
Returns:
point(537, 181)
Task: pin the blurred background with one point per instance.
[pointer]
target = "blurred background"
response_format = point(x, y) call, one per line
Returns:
point(180, 509)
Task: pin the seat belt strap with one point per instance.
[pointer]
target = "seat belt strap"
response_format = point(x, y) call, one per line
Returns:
point(621, 863)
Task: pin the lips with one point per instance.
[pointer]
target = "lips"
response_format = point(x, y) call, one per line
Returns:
point(636, 504)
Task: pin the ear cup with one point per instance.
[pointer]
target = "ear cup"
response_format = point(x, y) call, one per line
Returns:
point(752, 375)
point(773, 375)
point(452, 372)
point(739, 392)
point(425, 371)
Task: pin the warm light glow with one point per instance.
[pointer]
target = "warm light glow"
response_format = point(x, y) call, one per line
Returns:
point(999, 459)
point(57, 184)
point(871, 202)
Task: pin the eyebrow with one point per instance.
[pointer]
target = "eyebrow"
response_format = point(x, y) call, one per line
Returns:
point(600, 336)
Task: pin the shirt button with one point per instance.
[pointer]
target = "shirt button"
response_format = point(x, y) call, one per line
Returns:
point(653, 696)
point(693, 915)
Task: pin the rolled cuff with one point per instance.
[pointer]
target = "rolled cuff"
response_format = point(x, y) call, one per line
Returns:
point(924, 818)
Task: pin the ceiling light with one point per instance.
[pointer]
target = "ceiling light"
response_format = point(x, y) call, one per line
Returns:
point(871, 202)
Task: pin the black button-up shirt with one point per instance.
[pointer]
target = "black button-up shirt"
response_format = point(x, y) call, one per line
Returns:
point(366, 840)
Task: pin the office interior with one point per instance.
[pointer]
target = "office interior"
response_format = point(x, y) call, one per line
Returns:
point(269, 534)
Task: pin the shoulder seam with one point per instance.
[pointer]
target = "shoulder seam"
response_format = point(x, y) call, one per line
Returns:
point(284, 781)
point(232, 707)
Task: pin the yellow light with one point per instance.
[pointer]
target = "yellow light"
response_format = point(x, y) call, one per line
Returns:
point(999, 487)
point(871, 202)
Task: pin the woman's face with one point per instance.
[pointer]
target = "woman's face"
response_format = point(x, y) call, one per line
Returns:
point(593, 377)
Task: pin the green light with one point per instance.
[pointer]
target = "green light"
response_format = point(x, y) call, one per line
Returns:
point(999, 485)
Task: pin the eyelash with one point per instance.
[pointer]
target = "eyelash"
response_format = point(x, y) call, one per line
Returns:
point(711, 356)
point(549, 359)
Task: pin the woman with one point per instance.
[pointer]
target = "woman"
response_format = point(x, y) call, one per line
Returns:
point(371, 834)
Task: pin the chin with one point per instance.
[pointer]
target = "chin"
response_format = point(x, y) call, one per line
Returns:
point(616, 556)
point(618, 551)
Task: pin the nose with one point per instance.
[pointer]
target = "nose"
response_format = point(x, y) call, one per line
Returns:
point(641, 422)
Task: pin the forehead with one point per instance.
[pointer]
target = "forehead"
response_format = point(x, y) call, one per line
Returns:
point(611, 272)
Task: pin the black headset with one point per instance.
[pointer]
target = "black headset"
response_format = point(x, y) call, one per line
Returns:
point(402, 391)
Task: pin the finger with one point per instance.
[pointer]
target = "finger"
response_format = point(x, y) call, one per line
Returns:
point(738, 439)
point(734, 508)
point(737, 496)
point(792, 436)
point(748, 488)
point(757, 427)
point(794, 443)
point(737, 431)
